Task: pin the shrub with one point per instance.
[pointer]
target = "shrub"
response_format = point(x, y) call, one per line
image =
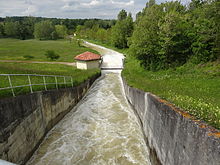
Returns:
point(51, 55)
point(28, 57)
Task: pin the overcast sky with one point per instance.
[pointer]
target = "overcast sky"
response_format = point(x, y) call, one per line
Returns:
point(106, 9)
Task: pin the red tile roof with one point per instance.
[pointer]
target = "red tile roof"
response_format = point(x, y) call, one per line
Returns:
point(88, 56)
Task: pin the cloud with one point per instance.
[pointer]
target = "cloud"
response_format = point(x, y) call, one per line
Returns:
point(30, 10)
point(130, 3)
point(107, 9)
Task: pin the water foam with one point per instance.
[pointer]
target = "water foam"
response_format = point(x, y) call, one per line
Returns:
point(101, 129)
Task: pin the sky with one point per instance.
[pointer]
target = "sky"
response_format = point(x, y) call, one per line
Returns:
point(103, 9)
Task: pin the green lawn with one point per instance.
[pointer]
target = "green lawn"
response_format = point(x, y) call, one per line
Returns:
point(194, 88)
point(14, 49)
point(45, 69)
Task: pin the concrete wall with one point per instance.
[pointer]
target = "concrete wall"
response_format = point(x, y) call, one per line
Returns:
point(87, 64)
point(173, 136)
point(25, 120)
point(93, 64)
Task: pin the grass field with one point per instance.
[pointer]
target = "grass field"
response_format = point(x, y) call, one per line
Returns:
point(44, 69)
point(194, 88)
point(14, 49)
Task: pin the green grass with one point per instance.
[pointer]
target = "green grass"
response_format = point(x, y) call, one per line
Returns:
point(78, 76)
point(14, 49)
point(194, 88)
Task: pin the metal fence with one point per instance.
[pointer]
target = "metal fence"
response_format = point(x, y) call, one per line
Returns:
point(30, 84)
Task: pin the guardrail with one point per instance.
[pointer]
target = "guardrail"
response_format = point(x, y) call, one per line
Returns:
point(30, 84)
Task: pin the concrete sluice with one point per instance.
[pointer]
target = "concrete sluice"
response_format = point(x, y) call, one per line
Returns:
point(101, 130)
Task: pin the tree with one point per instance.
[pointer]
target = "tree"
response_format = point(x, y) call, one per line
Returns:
point(23, 31)
point(43, 30)
point(122, 15)
point(122, 30)
point(61, 31)
point(145, 39)
point(12, 29)
point(138, 15)
point(195, 4)
point(2, 32)
point(205, 32)
point(90, 23)
point(150, 3)
point(174, 41)
point(29, 22)
point(102, 35)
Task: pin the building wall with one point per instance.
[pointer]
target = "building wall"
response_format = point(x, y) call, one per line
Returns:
point(87, 64)
point(25, 119)
point(92, 64)
point(81, 65)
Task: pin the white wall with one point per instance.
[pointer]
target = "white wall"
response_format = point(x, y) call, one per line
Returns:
point(87, 64)
point(81, 65)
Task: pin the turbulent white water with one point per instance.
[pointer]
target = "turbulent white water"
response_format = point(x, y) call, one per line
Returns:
point(101, 130)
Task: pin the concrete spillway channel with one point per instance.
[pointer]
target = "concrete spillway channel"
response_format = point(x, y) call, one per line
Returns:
point(101, 130)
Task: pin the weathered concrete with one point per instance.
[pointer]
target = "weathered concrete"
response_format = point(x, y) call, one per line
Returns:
point(173, 136)
point(26, 119)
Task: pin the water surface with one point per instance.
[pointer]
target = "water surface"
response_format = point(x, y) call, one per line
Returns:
point(101, 130)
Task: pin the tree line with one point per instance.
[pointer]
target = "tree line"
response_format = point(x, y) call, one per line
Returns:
point(45, 28)
point(165, 35)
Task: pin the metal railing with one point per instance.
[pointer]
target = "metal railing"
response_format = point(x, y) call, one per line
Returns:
point(30, 84)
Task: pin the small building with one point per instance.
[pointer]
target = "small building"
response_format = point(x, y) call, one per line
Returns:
point(88, 60)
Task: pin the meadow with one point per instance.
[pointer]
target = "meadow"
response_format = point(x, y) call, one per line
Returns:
point(14, 49)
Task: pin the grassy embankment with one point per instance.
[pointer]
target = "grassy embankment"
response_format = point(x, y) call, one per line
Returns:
point(194, 88)
point(10, 50)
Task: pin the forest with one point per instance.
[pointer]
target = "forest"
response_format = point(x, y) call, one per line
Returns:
point(165, 35)
point(29, 27)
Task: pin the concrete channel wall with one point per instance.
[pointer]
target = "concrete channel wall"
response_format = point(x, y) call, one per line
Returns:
point(173, 136)
point(25, 120)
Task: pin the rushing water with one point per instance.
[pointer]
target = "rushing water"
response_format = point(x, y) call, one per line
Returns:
point(101, 130)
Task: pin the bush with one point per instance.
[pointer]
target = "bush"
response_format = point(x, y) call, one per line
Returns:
point(28, 57)
point(51, 55)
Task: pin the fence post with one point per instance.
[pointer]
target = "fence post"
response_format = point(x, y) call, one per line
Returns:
point(45, 85)
point(72, 81)
point(29, 79)
point(56, 82)
point(12, 90)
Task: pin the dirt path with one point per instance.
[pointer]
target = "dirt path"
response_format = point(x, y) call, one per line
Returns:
point(41, 62)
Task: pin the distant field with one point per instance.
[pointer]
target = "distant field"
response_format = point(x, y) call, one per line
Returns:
point(14, 49)
point(44, 69)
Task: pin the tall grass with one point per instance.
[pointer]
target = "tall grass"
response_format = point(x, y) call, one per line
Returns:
point(194, 88)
